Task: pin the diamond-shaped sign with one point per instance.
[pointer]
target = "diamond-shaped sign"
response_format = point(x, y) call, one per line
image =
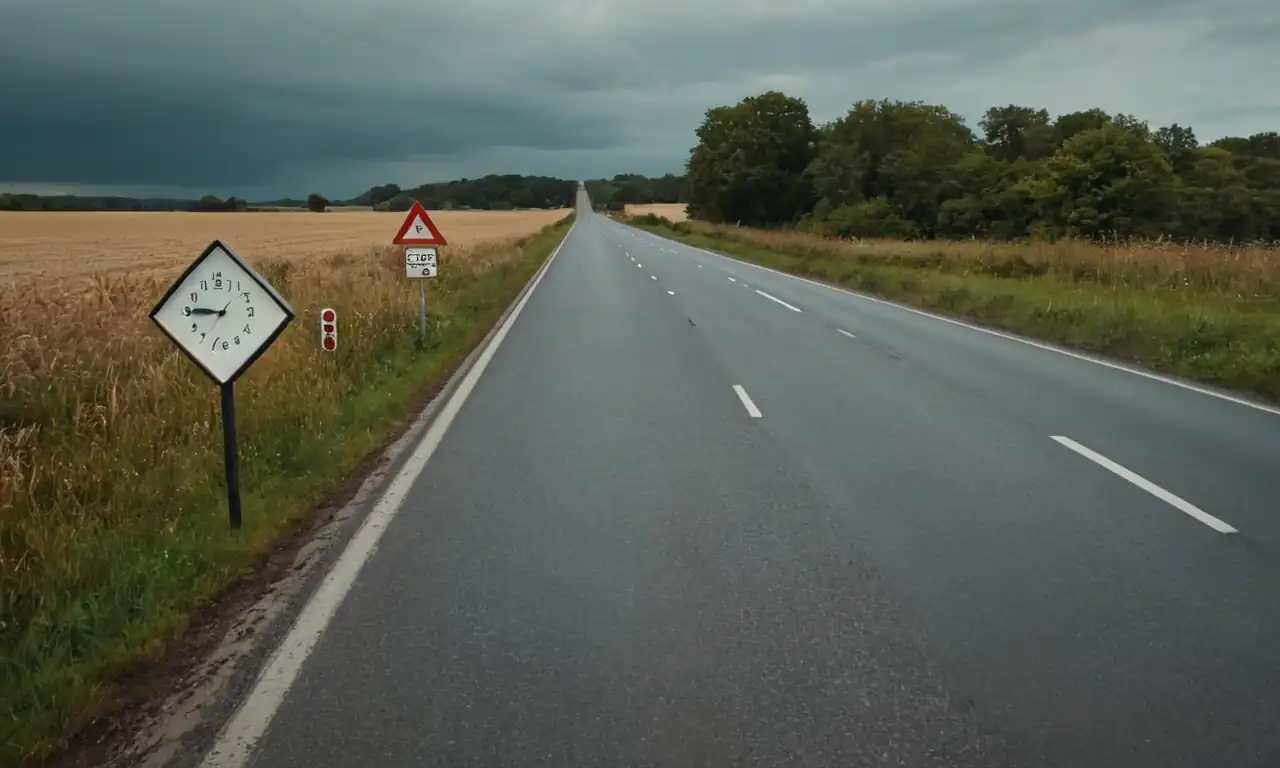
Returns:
point(222, 313)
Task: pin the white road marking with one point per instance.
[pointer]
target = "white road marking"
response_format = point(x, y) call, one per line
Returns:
point(236, 742)
point(699, 266)
point(629, 256)
point(1009, 337)
point(733, 280)
point(639, 266)
point(653, 277)
point(780, 301)
point(846, 333)
point(752, 410)
point(671, 293)
point(1169, 498)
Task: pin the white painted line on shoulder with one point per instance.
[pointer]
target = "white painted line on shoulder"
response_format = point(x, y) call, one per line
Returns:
point(1171, 499)
point(1010, 337)
point(780, 301)
point(236, 742)
point(846, 333)
point(752, 410)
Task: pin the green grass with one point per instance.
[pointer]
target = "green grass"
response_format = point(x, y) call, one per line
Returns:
point(112, 547)
point(1218, 337)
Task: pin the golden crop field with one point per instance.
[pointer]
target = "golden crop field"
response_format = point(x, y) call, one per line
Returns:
point(669, 211)
point(37, 245)
point(112, 515)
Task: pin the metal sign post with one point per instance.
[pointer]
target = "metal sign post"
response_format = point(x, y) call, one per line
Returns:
point(422, 310)
point(420, 263)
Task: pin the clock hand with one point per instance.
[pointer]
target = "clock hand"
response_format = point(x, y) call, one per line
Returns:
point(207, 311)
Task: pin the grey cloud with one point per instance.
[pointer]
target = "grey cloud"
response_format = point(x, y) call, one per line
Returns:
point(277, 95)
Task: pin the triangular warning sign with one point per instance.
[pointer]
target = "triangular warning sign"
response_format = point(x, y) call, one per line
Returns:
point(419, 229)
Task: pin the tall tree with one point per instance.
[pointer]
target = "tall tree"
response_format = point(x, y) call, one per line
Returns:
point(1106, 181)
point(749, 162)
point(1012, 132)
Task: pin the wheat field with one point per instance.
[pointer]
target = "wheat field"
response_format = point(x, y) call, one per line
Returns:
point(44, 245)
point(112, 515)
point(669, 211)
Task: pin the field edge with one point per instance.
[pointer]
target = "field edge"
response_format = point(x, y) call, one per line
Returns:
point(130, 720)
point(1208, 342)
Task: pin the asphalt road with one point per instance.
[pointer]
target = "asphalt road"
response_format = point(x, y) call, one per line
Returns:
point(695, 513)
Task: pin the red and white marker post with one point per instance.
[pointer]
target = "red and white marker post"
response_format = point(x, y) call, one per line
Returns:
point(328, 329)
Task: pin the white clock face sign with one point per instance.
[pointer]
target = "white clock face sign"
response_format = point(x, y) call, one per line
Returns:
point(222, 313)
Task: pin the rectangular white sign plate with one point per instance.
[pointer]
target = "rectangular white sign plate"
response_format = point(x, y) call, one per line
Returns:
point(420, 262)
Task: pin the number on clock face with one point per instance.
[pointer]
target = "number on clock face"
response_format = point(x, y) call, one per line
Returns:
point(211, 316)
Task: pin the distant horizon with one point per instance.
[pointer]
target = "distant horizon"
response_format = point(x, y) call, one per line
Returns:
point(131, 192)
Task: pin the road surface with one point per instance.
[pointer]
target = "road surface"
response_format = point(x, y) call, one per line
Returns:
point(697, 513)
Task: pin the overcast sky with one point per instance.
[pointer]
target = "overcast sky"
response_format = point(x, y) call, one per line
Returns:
point(272, 98)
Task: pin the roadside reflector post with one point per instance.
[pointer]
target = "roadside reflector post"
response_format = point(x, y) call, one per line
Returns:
point(328, 329)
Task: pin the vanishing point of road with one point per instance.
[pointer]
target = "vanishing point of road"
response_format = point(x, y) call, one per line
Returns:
point(685, 511)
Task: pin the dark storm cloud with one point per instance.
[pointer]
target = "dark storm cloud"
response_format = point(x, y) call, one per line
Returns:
point(289, 94)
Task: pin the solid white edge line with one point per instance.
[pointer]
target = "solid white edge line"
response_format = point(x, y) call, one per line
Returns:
point(846, 333)
point(780, 301)
point(1169, 498)
point(1010, 337)
point(242, 733)
point(752, 410)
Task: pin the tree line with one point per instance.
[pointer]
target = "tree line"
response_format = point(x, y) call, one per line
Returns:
point(490, 193)
point(633, 189)
point(915, 170)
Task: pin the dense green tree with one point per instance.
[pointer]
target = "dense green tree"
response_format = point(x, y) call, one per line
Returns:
point(1178, 144)
point(883, 168)
point(317, 203)
point(907, 169)
point(750, 159)
point(1107, 181)
point(1012, 132)
point(1072, 123)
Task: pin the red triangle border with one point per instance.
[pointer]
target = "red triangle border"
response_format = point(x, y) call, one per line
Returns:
point(418, 211)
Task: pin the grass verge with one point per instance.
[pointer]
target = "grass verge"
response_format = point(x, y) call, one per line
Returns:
point(113, 524)
point(1207, 313)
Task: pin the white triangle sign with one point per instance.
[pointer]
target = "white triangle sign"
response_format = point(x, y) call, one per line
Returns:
point(418, 229)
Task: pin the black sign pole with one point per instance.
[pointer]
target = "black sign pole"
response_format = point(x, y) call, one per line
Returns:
point(230, 454)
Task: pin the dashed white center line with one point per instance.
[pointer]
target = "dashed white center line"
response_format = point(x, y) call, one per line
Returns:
point(733, 280)
point(846, 333)
point(653, 277)
point(780, 301)
point(752, 410)
point(639, 266)
point(1171, 499)
point(671, 293)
